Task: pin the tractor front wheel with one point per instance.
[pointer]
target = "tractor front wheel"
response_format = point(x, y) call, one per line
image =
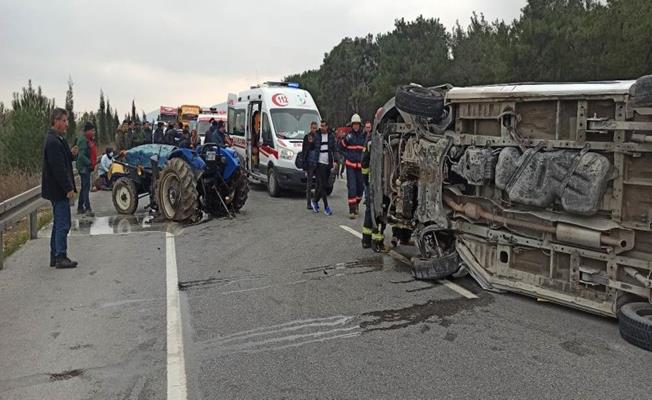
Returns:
point(125, 196)
point(176, 193)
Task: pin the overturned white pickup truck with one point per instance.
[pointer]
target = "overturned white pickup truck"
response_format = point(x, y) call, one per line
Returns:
point(540, 189)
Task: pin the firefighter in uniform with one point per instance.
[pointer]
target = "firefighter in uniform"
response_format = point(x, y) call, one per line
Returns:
point(353, 144)
point(370, 237)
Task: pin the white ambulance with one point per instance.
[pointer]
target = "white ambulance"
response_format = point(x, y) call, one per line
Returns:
point(217, 112)
point(267, 124)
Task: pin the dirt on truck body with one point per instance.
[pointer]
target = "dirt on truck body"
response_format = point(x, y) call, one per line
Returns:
point(539, 189)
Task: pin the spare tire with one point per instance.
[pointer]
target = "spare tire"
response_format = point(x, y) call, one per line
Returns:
point(420, 101)
point(640, 94)
point(436, 267)
point(635, 324)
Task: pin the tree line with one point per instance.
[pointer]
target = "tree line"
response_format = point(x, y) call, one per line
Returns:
point(551, 41)
point(23, 126)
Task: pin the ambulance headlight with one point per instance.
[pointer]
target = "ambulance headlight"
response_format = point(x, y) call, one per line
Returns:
point(287, 154)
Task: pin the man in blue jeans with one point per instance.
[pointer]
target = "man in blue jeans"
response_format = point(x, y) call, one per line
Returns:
point(58, 186)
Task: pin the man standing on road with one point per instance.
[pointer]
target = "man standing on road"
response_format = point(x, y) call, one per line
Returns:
point(370, 237)
point(353, 144)
point(324, 147)
point(159, 134)
point(147, 133)
point(58, 186)
point(85, 166)
point(309, 160)
point(120, 137)
point(170, 135)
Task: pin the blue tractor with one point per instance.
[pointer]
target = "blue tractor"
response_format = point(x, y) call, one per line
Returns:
point(181, 183)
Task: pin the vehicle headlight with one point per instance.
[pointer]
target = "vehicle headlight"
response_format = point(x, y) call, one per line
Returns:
point(287, 154)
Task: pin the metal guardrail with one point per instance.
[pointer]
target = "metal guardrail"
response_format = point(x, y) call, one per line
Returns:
point(24, 204)
point(17, 208)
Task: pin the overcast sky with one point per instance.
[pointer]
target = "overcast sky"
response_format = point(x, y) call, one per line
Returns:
point(162, 52)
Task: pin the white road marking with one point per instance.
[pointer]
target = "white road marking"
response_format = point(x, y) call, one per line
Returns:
point(457, 288)
point(452, 286)
point(352, 231)
point(176, 368)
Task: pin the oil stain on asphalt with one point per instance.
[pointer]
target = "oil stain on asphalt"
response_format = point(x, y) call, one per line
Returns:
point(391, 319)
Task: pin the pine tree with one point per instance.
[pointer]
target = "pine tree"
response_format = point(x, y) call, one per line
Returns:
point(109, 121)
point(72, 126)
point(101, 116)
point(133, 110)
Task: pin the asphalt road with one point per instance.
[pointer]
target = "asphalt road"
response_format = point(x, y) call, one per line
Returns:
point(280, 303)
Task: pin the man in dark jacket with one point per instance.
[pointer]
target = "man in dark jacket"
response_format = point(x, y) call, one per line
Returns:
point(159, 134)
point(323, 146)
point(58, 186)
point(170, 135)
point(309, 161)
point(86, 159)
point(147, 133)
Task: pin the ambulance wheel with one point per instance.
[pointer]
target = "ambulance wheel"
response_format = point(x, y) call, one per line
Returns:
point(241, 191)
point(125, 196)
point(272, 183)
point(176, 193)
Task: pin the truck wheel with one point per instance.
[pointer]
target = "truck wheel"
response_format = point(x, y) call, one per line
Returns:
point(241, 191)
point(417, 100)
point(272, 183)
point(641, 92)
point(635, 324)
point(177, 194)
point(125, 196)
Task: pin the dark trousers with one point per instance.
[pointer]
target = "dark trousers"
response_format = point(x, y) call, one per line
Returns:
point(322, 173)
point(60, 228)
point(84, 203)
point(355, 186)
point(310, 172)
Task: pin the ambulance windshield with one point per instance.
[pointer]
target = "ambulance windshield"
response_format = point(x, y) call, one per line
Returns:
point(293, 123)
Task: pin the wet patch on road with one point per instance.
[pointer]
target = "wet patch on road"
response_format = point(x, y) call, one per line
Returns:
point(65, 375)
point(391, 319)
point(121, 225)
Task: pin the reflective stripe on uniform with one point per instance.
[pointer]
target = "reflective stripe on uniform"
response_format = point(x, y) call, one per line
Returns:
point(365, 171)
point(352, 164)
point(366, 231)
point(352, 200)
point(377, 236)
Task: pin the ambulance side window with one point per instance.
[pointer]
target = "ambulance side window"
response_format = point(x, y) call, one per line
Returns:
point(238, 126)
point(267, 131)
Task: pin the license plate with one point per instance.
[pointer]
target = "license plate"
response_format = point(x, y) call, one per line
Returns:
point(210, 155)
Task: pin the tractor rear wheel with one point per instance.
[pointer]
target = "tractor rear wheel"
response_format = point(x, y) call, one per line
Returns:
point(125, 196)
point(241, 191)
point(176, 193)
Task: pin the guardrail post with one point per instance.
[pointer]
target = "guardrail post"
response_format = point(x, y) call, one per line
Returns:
point(2, 249)
point(33, 225)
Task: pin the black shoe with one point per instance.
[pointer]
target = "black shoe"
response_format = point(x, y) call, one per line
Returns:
point(65, 263)
point(378, 246)
point(53, 261)
point(366, 244)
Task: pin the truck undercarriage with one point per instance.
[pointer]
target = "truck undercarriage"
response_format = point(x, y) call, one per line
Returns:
point(540, 189)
